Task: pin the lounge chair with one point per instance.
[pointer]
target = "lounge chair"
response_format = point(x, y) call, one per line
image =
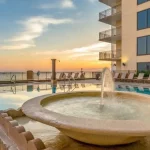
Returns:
point(57, 75)
point(147, 80)
point(76, 75)
point(69, 76)
point(139, 78)
point(60, 76)
point(116, 75)
point(123, 76)
point(130, 78)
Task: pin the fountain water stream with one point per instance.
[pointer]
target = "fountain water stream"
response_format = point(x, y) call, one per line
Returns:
point(107, 84)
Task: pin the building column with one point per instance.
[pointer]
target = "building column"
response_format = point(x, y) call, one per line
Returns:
point(53, 80)
point(118, 65)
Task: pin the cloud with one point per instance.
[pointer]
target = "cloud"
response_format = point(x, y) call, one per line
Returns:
point(67, 4)
point(90, 52)
point(94, 47)
point(34, 27)
point(64, 4)
point(16, 46)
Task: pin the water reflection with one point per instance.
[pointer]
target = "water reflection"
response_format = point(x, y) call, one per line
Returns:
point(17, 94)
point(136, 89)
point(54, 87)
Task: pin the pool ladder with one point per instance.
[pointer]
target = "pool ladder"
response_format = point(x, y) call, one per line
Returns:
point(13, 79)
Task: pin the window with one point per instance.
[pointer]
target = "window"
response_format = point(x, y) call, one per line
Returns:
point(148, 45)
point(143, 66)
point(143, 45)
point(142, 20)
point(149, 18)
point(141, 1)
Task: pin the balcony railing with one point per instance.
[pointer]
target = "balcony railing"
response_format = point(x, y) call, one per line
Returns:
point(110, 33)
point(110, 55)
point(110, 12)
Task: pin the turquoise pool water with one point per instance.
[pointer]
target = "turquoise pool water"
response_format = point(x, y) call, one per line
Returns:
point(13, 96)
point(141, 90)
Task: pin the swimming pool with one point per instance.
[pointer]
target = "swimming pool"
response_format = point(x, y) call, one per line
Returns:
point(13, 96)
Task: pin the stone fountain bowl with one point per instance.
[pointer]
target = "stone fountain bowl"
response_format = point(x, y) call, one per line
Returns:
point(91, 131)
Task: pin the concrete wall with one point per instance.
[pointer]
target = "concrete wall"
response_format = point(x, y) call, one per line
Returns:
point(130, 33)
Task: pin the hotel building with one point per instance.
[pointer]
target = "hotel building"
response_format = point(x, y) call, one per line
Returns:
point(129, 34)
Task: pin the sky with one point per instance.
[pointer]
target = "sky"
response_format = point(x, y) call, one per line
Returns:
point(32, 32)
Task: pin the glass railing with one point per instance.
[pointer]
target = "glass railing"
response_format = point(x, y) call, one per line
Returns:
point(110, 12)
point(110, 33)
point(110, 55)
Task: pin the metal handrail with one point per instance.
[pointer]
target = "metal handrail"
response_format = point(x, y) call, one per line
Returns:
point(110, 12)
point(11, 80)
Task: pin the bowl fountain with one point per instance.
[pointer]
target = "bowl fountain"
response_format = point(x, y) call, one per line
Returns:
point(101, 118)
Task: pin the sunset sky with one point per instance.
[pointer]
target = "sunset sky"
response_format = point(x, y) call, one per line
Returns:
point(32, 32)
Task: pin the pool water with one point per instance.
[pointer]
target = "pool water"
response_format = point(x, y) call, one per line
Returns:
point(13, 96)
point(141, 90)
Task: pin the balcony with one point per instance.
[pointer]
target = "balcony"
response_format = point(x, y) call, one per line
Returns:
point(110, 36)
point(111, 16)
point(110, 3)
point(110, 55)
